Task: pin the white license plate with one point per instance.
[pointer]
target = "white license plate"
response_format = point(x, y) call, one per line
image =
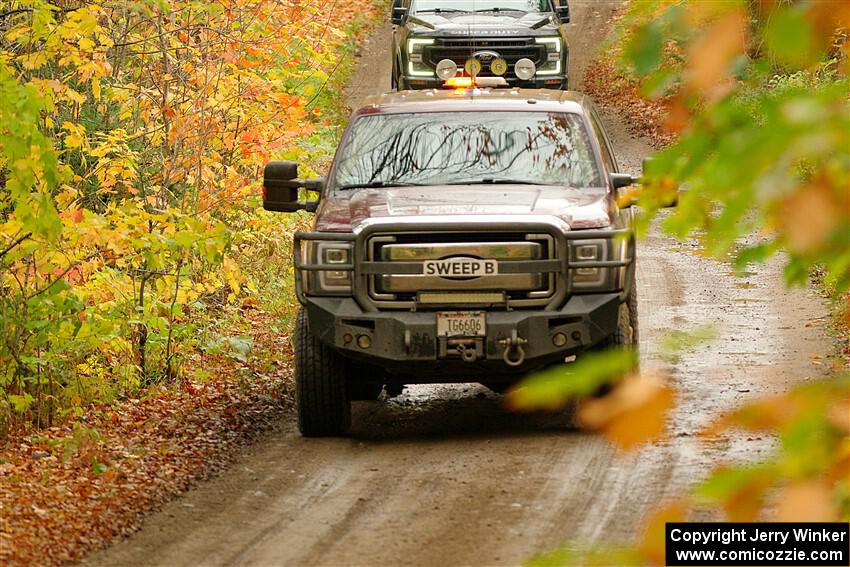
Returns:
point(461, 324)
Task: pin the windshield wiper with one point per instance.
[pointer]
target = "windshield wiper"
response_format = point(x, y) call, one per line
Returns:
point(495, 181)
point(497, 10)
point(377, 185)
point(442, 11)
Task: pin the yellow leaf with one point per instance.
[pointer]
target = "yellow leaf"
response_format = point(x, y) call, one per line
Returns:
point(33, 61)
point(86, 44)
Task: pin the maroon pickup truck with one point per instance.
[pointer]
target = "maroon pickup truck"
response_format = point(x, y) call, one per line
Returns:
point(460, 236)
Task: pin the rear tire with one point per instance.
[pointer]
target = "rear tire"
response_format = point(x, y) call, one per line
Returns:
point(320, 390)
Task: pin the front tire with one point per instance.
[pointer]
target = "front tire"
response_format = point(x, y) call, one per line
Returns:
point(320, 391)
point(626, 334)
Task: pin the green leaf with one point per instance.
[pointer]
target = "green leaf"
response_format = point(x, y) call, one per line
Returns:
point(240, 347)
point(790, 38)
point(21, 402)
point(643, 48)
point(724, 483)
point(559, 384)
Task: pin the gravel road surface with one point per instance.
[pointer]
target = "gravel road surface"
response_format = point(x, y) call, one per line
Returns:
point(442, 475)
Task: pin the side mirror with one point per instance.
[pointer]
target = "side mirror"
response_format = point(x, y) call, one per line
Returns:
point(562, 10)
point(620, 180)
point(399, 13)
point(280, 188)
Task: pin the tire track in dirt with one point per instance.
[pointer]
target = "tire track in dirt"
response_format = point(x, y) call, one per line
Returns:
point(442, 475)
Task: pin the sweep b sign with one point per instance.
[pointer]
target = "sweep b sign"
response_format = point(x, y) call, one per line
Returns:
point(460, 267)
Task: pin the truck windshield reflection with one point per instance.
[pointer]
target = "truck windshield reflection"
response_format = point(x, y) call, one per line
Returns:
point(467, 148)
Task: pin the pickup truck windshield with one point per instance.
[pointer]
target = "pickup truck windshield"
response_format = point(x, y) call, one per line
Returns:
point(456, 148)
point(482, 5)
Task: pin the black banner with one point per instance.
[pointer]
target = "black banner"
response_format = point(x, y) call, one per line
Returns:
point(758, 544)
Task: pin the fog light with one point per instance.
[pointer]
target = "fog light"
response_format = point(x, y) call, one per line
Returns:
point(499, 66)
point(473, 67)
point(525, 69)
point(347, 338)
point(363, 341)
point(576, 336)
point(446, 69)
point(559, 339)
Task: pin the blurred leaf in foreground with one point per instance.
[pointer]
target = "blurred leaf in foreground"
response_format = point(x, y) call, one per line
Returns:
point(555, 387)
point(635, 412)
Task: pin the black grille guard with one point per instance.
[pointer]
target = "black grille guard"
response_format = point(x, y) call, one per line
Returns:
point(362, 269)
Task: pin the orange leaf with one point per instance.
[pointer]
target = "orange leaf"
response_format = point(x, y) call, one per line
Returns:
point(815, 201)
point(806, 501)
point(744, 504)
point(635, 412)
point(712, 53)
point(653, 542)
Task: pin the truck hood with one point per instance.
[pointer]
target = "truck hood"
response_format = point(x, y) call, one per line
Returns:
point(507, 24)
point(578, 208)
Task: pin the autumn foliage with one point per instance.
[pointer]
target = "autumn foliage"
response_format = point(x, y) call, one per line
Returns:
point(131, 137)
point(752, 103)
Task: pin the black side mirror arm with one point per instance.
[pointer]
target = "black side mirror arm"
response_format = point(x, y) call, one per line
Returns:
point(562, 10)
point(317, 185)
point(399, 16)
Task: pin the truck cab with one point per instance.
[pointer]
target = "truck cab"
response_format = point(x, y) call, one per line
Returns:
point(459, 236)
point(520, 41)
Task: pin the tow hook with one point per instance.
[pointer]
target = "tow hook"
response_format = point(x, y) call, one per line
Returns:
point(467, 354)
point(512, 345)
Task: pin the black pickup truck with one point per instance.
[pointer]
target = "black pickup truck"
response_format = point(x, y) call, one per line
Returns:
point(460, 236)
point(521, 41)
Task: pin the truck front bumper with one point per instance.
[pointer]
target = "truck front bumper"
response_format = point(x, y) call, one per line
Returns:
point(406, 342)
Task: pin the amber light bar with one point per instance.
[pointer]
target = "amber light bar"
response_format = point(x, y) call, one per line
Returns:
point(459, 82)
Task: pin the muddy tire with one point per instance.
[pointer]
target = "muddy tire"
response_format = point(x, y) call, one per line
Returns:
point(633, 313)
point(626, 334)
point(320, 390)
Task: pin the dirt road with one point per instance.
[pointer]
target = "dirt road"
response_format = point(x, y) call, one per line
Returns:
point(442, 476)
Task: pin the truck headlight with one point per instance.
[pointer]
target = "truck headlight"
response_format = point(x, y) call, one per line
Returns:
point(415, 62)
point(598, 279)
point(588, 251)
point(552, 64)
point(327, 281)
